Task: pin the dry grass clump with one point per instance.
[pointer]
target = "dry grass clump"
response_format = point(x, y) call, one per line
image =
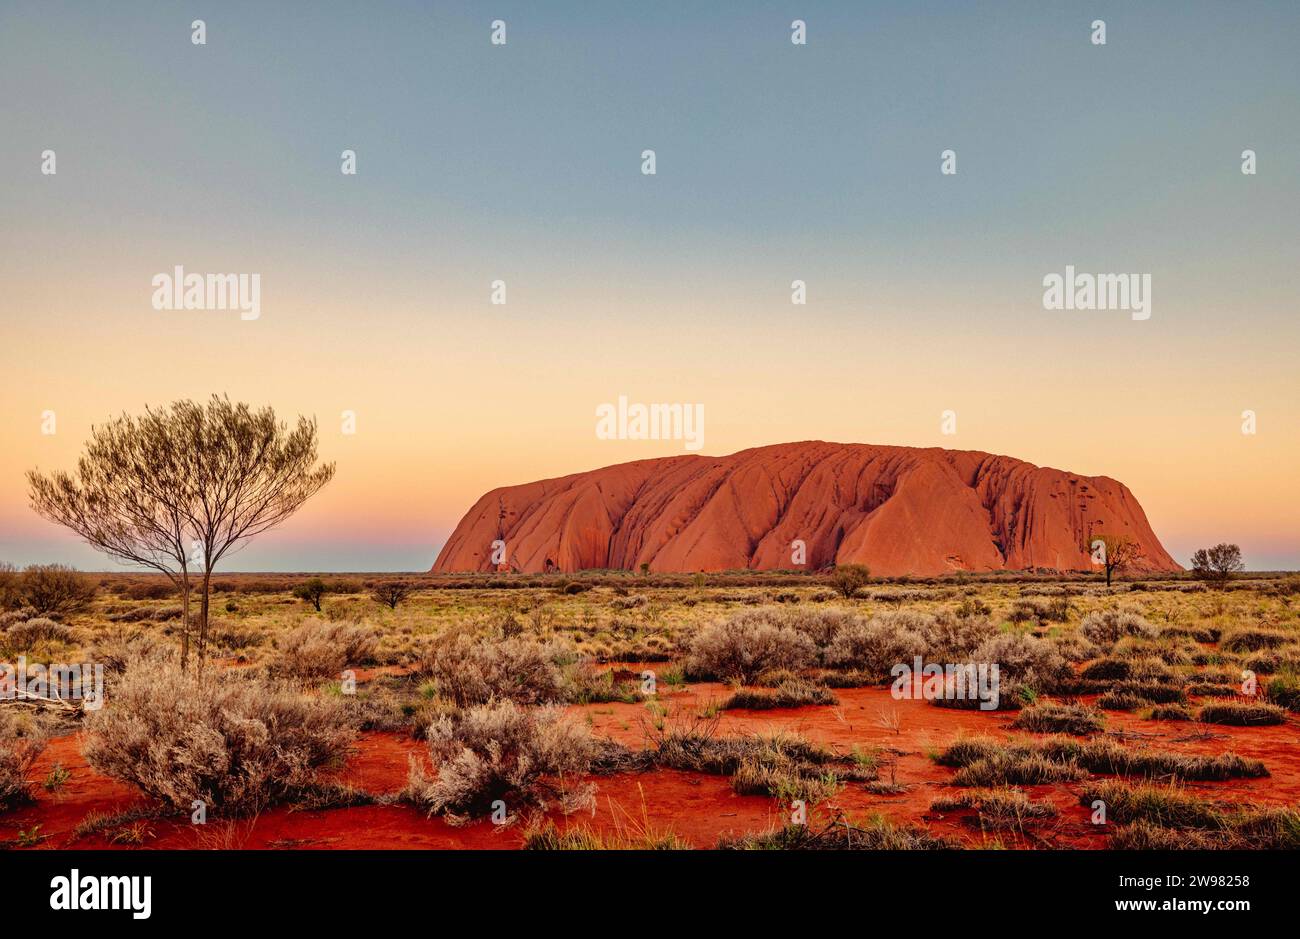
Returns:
point(22, 738)
point(1241, 714)
point(789, 693)
point(1211, 689)
point(1165, 806)
point(1272, 661)
point(1144, 836)
point(1052, 718)
point(1121, 701)
point(548, 837)
point(236, 742)
point(502, 752)
point(780, 765)
point(1167, 818)
point(586, 685)
point(323, 649)
point(1107, 669)
point(1015, 767)
point(1169, 712)
point(1284, 690)
point(1255, 640)
point(876, 834)
point(745, 644)
point(1194, 633)
point(1107, 627)
point(470, 670)
point(997, 809)
point(1105, 756)
point(983, 761)
point(784, 764)
point(1151, 692)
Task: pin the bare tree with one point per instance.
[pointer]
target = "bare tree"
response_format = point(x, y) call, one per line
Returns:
point(249, 473)
point(1217, 564)
point(178, 489)
point(129, 498)
point(1116, 553)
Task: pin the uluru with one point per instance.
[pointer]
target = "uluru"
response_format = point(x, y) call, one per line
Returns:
point(898, 510)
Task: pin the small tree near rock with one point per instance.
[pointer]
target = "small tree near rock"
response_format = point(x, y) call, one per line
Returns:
point(848, 579)
point(1117, 553)
point(391, 593)
point(1217, 565)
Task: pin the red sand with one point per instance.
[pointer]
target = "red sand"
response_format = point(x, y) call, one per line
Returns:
point(697, 807)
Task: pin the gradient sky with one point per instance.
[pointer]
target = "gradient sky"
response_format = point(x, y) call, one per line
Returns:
point(775, 162)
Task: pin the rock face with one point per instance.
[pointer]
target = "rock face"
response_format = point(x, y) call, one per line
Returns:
point(898, 510)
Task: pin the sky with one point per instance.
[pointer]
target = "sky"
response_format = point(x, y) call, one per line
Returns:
point(523, 163)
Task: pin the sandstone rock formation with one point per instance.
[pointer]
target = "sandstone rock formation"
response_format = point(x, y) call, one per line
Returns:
point(899, 510)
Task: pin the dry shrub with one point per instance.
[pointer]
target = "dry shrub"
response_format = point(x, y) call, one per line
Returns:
point(55, 589)
point(745, 644)
point(1076, 648)
point(9, 617)
point(24, 635)
point(469, 670)
point(950, 638)
point(1024, 660)
point(821, 626)
point(236, 742)
point(118, 649)
point(1056, 610)
point(876, 646)
point(523, 757)
point(1107, 627)
point(323, 649)
point(22, 738)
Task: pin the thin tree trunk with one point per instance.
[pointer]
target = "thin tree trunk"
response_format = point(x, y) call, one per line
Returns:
point(203, 617)
point(185, 622)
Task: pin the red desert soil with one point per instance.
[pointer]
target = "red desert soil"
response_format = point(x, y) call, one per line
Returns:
point(697, 807)
point(899, 510)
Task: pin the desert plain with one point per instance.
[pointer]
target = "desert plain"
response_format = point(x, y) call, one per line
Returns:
point(615, 709)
